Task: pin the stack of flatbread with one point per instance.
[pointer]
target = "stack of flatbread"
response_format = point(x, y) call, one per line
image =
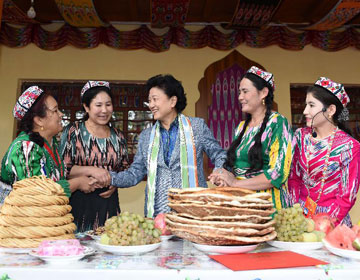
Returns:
point(221, 216)
point(36, 209)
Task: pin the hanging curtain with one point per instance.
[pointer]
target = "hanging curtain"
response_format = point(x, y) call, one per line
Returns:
point(250, 13)
point(343, 12)
point(1, 8)
point(169, 12)
point(80, 13)
point(144, 38)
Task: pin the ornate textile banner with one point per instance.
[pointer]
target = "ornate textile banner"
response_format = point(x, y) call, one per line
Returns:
point(250, 13)
point(168, 12)
point(13, 14)
point(344, 11)
point(79, 13)
point(225, 111)
point(144, 38)
point(1, 7)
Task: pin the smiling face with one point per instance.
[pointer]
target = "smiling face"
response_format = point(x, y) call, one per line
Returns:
point(100, 109)
point(161, 106)
point(313, 112)
point(250, 97)
point(52, 121)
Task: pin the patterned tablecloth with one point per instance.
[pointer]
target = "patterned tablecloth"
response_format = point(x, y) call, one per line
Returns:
point(175, 259)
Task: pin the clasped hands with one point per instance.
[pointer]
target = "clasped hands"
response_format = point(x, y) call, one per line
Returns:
point(99, 178)
point(221, 177)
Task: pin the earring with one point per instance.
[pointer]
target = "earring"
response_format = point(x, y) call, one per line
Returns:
point(263, 102)
point(41, 128)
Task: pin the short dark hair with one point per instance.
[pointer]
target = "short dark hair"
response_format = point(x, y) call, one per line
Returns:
point(91, 93)
point(171, 87)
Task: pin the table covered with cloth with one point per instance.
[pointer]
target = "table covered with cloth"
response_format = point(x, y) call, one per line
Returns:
point(175, 259)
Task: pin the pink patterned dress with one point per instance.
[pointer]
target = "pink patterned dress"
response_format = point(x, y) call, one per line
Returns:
point(341, 177)
point(79, 147)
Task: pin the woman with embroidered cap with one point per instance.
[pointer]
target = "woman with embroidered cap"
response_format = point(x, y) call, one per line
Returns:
point(260, 156)
point(324, 175)
point(35, 151)
point(92, 147)
point(170, 152)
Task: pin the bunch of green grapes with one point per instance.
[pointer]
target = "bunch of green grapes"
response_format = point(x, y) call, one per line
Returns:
point(131, 229)
point(290, 223)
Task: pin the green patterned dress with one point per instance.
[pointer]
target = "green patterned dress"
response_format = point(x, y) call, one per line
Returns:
point(277, 151)
point(25, 158)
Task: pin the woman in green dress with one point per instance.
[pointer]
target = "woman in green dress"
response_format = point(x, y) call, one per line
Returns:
point(260, 156)
point(35, 150)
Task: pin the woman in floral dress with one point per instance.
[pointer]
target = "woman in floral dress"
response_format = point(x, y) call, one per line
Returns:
point(260, 156)
point(324, 175)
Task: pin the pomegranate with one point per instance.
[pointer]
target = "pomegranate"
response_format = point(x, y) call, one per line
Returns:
point(323, 222)
point(160, 224)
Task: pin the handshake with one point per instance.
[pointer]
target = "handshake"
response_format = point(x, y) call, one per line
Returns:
point(90, 178)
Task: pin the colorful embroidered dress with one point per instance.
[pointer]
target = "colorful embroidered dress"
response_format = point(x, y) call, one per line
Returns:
point(341, 177)
point(79, 147)
point(25, 159)
point(277, 151)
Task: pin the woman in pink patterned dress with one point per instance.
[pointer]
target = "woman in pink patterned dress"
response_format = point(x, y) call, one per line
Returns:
point(324, 176)
point(92, 147)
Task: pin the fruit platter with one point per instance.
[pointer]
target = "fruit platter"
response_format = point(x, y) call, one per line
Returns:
point(95, 234)
point(295, 232)
point(129, 234)
point(344, 241)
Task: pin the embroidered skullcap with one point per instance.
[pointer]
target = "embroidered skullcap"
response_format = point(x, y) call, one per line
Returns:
point(335, 88)
point(267, 76)
point(91, 84)
point(25, 101)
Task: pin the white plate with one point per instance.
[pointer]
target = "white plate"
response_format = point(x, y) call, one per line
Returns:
point(128, 250)
point(224, 249)
point(15, 250)
point(342, 252)
point(300, 246)
point(92, 235)
point(63, 259)
point(166, 237)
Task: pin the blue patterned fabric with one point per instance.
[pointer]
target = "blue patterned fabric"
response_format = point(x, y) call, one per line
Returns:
point(169, 176)
point(168, 138)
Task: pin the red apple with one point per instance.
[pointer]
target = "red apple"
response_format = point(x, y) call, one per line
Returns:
point(160, 224)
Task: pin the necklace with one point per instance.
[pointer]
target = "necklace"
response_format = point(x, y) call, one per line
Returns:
point(325, 165)
point(95, 133)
